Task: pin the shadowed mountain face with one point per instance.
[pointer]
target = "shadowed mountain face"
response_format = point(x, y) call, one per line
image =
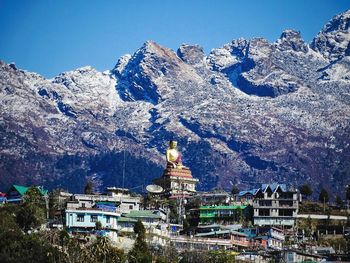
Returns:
point(249, 112)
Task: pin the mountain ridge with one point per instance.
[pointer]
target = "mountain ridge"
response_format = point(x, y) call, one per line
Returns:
point(248, 112)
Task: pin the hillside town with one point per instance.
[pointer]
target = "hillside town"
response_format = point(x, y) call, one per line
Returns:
point(271, 223)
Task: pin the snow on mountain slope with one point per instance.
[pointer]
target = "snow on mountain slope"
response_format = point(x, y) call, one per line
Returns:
point(333, 41)
point(249, 112)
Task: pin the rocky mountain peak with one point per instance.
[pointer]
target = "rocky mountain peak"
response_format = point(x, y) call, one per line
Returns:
point(259, 48)
point(191, 54)
point(333, 41)
point(291, 40)
point(141, 76)
point(122, 62)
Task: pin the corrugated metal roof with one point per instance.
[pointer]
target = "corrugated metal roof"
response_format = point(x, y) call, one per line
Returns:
point(127, 219)
point(221, 207)
point(252, 191)
point(23, 189)
point(142, 213)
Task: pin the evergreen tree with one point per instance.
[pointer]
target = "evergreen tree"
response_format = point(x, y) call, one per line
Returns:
point(234, 190)
point(339, 201)
point(31, 213)
point(323, 196)
point(98, 225)
point(306, 190)
point(88, 190)
point(140, 252)
point(348, 193)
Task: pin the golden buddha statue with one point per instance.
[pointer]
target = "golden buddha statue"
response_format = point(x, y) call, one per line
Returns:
point(173, 156)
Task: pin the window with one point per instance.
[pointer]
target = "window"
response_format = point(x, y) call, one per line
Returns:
point(108, 219)
point(83, 205)
point(131, 207)
point(80, 218)
point(285, 212)
point(93, 218)
point(264, 212)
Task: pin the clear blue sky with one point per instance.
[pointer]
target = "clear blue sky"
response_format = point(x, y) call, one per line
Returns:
point(50, 37)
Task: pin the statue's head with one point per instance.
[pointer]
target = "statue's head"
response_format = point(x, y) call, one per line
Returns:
point(173, 144)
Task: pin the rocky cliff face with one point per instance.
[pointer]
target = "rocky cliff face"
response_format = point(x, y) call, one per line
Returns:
point(249, 112)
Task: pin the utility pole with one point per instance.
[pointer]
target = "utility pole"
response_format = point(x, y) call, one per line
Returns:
point(124, 162)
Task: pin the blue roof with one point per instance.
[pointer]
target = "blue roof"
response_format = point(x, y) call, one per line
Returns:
point(274, 187)
point(263, 188)
point(252, 191)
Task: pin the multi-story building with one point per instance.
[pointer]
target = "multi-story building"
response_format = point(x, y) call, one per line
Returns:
point(149, 218)
point(222, 214)
point(247, 197)
point(85, 219)
point(214, 197)
point(118, 197)
point(274, 205)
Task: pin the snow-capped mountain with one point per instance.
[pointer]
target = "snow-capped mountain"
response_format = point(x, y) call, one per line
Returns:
point(248, 112)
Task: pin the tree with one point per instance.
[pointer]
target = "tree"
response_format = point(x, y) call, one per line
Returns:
point(98, 225)
point(30, 216)
point(339, 201)
point(306, 190)
point(348, 193)
point(88, 190)
point(323, 196)
point(140, 252)
point(31, 213)
point(234, 190)
point(33, 196)
point(239, 215)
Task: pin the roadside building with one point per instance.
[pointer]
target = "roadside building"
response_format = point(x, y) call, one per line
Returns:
point(118, 197)
point(240, 240)
point(147, 217)
point(219, 197)
point(274, 205)
point(222, 214)
point(85, 221)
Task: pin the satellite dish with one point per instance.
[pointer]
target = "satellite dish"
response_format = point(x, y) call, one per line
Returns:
point(154, 189)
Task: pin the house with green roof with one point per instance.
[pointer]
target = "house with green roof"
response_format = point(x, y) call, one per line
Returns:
point(16, 193)
point(147, 217)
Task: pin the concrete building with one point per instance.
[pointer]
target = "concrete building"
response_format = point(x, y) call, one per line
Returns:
point(222, 214)
point(214, 197)
point(118, 197)
point(85, 220)
point(149, 218)
point(274, 205)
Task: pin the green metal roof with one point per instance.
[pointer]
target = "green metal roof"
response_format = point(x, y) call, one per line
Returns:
point(127, 219)
point(221, 232)
point(23, 189)
point(221, 207)
point(142, 213)
point(20, 189)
